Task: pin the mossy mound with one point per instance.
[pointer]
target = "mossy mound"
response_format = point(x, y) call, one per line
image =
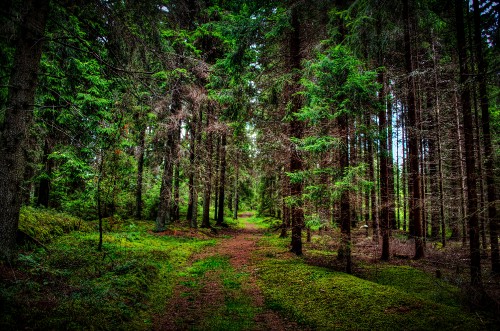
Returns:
point(44, 224)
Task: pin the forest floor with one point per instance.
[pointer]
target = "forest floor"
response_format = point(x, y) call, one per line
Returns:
point(250, 281)
point(216, 302)
point(242, 278)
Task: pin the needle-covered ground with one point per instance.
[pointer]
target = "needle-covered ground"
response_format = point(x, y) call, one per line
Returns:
point(243, 278)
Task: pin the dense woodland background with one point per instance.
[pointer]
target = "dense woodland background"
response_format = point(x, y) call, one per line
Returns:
point(378, 114)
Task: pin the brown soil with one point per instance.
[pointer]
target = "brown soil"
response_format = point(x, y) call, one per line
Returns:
point(188, 307)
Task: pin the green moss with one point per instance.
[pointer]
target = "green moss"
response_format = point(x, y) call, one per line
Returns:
point(46, 224)
point(76, 287)
point(398, 299)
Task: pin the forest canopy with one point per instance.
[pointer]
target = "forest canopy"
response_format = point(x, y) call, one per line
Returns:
point(378, 114)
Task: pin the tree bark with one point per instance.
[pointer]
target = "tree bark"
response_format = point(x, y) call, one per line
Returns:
point(475, 254)
point(384, 173)
point(296, 130)
point(18, 119)
point(415, 192)
point(488, 150)
point(205, 223)
point(140, 171)
point(222, 180)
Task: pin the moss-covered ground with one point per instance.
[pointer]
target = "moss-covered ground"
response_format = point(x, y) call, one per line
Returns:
point(140, 278)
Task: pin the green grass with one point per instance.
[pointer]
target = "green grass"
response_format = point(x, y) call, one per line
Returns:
point(237, 311)
point(75, 287)
point(395, 298)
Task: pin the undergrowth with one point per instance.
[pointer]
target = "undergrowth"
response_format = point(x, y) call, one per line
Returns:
point(394, 298)
point(45, 224)
point(73, 286)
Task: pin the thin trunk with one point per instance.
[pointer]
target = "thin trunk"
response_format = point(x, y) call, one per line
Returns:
point(222, 180)
point(479, 166)
point(383, 175)
point(192, 171)
point(463, 189)
point(140, 171)
point(235, 187)
point(216, 179)
point(404, 169)
point(285, 188)
point(163, 217)
point(99, 203)
point(175, 202)
point(205, 223)
point(475, 254)
point(390, 168)
point(439, 156)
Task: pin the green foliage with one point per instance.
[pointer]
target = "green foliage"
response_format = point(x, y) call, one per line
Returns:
point(337, 83)
point(76, 287)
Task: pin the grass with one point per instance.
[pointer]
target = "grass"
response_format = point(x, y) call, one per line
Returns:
point(394, 298)
point(72, 286)
point(236, 311)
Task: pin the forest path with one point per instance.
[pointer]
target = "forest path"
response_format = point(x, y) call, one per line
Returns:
point(217, 296)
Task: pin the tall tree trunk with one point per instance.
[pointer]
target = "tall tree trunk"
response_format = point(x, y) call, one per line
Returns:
point(437, 128)
point(166, 185)
point(18, 119)
point(384, 180)
point(463, 183)
point(176, 159)
point(345, 224)
point(433, 169)
point(371, 177)
point(285, 189)
point(390, 167)
point(205, 223)
point(222, 180)
point(236, 184)
point(140, 171)
point(415, 198)
point(488, 150)
point(296, 130)
point(478, 156)
point(192, 170)
point(216, 179)
point(475, 254)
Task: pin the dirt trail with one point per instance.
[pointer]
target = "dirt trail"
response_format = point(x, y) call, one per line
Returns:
point(188, 307)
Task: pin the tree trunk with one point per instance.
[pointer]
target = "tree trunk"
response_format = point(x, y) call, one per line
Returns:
point(140, 171)
point(176, 160)
point(415, 198)
point(345, 224)
point(296, 130)
point(18, 119)
point(488, 150)
point(166, 186)
point(475, 254)
point(205, 223)
point(222, 180)
point(384, 180)
point(235, 189)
